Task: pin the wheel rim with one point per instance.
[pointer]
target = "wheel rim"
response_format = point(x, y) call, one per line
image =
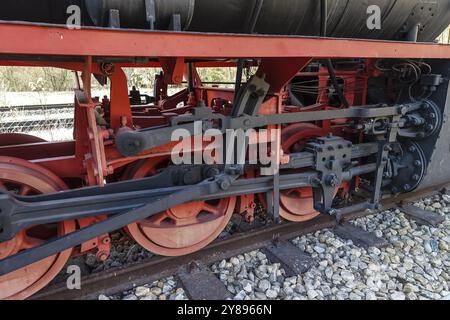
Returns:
point(24, 178)
point(182, 229)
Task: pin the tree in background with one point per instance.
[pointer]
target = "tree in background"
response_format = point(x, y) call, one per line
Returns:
point(21, 79)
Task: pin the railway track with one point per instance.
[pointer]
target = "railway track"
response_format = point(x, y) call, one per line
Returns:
point(36, 125)
point(15, 119)
point(193, 269)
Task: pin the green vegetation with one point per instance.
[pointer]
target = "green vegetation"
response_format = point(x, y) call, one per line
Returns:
point(35, 79)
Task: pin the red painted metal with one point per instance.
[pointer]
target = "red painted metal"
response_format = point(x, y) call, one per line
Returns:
point(12, 139)
point(46, 40)
point(279, 71)
point(173, 69)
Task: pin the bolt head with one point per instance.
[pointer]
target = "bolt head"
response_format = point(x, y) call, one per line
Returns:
point(425, 106)
point(332, 212)
point(225, 185)
point(212, 172)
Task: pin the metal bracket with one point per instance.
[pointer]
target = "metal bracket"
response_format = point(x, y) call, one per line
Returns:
point(175, 22)
point(251, 97)
point(333, 157)
point(114, 19)
point(150, 13)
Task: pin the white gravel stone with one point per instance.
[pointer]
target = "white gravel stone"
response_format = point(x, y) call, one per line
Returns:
point(141, 291)
point(240, 296)
point(312, 294)
point(370, 296)
point(130, 297)
point(264, 285)
point(156, 291)
point(319, 249)
point(347, 276)
point(149, 296)
point(271, 294)
point(398, 296)
point(165, 289)
point(248, 288)
point(446, 198)
point(223, 264)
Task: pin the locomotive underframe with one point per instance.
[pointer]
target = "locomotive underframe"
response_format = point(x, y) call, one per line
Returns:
point(96, 154)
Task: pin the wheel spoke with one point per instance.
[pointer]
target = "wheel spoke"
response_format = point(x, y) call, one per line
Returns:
point(155, 220)
point(24, 190)
point(210, 208)
point(31, 242)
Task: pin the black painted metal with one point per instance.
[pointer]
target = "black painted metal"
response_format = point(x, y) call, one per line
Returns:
point(116, 222)
point(131, 143)
point(18, 213)
point(346, 18)
point(437, 147)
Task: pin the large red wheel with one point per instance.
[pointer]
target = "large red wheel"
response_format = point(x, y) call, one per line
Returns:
point(297, 205)
point(182, 229)
point(24, 178)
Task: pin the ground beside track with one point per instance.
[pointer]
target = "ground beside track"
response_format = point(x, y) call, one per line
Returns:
point(414, 266)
